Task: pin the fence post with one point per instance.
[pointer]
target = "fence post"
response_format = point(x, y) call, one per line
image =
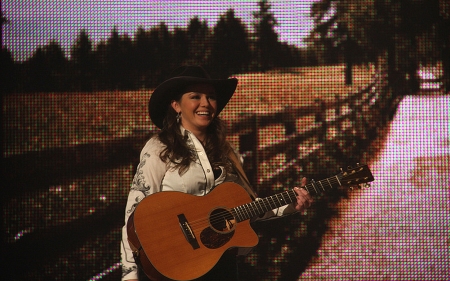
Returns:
point(248, 146)
point(290, 129)
point(321, 119)
point(337, 113)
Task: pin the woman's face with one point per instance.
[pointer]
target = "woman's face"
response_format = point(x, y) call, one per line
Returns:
point(198, 107)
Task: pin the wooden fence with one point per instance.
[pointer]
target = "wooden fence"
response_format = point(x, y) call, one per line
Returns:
point(356, 117)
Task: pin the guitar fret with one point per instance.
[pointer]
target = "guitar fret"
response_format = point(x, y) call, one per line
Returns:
point(258, 209)
point(314, 186)
point(238, 213)
point(271, 199)
point(253, 208)
point(288, 193)
point(278, 201)
point(293, 196)
point(274, 201)
point(243, 214)
point(242, 209)
point(235, 214)
point(307, 188)
point(338, 180)
point(250, 209)
point(256, 204)
point(329, 183)
point(263, 202)
point(247, 211)
point(284, 199)
point(322, 185)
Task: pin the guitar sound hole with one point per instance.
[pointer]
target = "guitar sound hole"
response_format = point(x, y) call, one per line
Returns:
point(222, 221)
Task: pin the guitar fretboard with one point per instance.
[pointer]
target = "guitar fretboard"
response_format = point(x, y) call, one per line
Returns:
point(261, 206)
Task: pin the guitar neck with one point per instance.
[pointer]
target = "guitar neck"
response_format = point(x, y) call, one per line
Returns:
point(261, 206)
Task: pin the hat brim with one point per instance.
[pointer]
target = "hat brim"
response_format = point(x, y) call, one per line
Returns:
point(169, 89)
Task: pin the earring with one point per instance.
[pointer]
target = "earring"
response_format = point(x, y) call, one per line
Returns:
point(178, 117)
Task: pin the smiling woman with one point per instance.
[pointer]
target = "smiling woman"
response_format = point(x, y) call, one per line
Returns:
point(190, 155)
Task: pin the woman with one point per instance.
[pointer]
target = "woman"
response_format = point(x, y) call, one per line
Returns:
point(190, 154)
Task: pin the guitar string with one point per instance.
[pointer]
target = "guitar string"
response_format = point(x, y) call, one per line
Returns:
point(249, 210)
point(246, 213)
point(265, 204)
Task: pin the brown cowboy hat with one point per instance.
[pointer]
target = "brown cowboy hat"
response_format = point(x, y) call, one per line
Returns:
point(179, 79)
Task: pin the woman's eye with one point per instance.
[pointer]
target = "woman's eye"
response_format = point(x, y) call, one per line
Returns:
point(195, 97)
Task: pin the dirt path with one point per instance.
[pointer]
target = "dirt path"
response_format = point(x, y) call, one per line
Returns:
point(398, 229)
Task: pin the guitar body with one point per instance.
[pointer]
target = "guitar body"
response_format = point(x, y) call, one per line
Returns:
point(181, 237)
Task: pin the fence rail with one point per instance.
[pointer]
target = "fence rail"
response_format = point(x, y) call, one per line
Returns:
point(35, 171)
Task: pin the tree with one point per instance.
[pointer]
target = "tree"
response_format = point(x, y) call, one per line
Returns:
point(100, 68)
point(83, 62)
point(162, 51)
point(118, 63)
point(46, 70)
point(180, 46)
point(113, 61)
point(230, 49)
point(7, 72)
point(395, 27)
point(267, 46)
point(7, 66)
point(325, 38)
point(290, 56)
point(142, 57)
point(199, 36)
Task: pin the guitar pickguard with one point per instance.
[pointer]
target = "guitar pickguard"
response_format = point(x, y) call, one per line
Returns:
point(213, 240)
point(221, 230)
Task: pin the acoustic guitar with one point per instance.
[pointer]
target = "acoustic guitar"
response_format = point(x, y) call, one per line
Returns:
point(178, 236)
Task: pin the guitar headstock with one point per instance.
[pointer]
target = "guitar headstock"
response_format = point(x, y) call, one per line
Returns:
point(358, 176)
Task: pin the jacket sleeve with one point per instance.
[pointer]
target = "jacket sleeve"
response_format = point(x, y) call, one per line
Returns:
point(147, 180)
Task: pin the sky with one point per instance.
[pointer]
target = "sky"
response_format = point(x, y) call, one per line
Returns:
point(34, 23)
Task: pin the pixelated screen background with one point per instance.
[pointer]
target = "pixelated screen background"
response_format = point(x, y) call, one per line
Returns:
point(314, 96)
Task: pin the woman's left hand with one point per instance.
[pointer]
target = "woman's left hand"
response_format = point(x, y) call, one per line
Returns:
point(304, 200)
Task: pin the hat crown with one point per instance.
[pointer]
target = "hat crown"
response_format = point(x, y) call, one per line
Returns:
point(190, 71)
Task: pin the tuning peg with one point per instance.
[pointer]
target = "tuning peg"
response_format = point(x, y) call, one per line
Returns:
point(363, 185)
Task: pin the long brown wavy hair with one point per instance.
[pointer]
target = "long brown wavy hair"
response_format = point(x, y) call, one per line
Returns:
point(181, 155)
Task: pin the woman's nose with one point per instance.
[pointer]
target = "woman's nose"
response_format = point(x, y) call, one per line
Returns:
point(204, 100)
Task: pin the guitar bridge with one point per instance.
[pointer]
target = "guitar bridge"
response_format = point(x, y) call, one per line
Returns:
point(187, 231)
